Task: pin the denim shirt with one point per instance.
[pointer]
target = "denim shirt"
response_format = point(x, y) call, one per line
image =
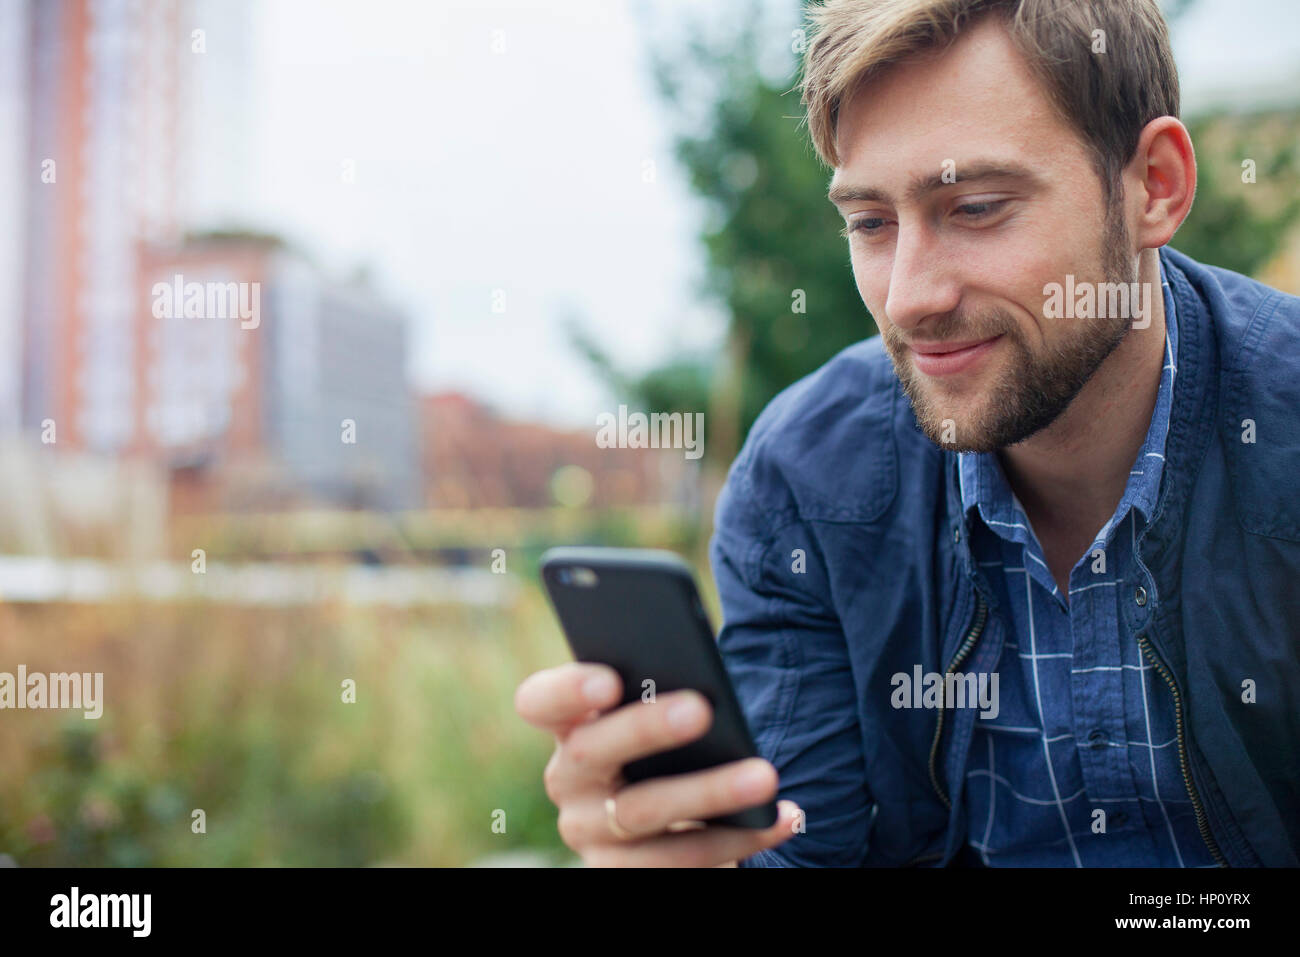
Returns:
point(1079, 766)
point(843, 557)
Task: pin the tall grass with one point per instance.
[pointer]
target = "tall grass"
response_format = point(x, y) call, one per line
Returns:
point(238, 712)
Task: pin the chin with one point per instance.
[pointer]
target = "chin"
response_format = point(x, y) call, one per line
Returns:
point(964, 431)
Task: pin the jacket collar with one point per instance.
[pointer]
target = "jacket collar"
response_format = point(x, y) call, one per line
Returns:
point(1191, 420)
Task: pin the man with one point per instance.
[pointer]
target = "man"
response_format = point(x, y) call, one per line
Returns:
point(1018, 581)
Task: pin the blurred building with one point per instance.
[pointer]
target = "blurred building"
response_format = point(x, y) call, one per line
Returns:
point(122, 124)
point(473, 458)
point(13, 169)
point(102, 97)
point(111, 113)
point(301, 399)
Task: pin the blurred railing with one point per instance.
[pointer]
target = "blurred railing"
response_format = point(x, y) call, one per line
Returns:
point(28, 579)
point(446, 536)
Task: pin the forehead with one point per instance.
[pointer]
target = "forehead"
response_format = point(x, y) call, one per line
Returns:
point(977, 97)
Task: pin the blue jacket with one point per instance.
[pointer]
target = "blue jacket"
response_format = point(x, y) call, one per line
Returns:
point(841, 558)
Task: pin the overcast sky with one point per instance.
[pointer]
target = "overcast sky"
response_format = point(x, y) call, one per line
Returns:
point(514, 161)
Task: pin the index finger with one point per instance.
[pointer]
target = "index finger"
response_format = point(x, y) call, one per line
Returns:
point(556, 698)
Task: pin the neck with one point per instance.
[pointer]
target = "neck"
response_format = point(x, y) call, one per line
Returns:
point(1070, 476)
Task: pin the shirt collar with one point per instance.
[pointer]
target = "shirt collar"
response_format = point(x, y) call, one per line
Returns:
point(984, 487)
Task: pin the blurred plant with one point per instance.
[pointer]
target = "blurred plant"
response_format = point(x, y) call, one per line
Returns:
point(771, 242)
point(237, 712)
point(1228, 226)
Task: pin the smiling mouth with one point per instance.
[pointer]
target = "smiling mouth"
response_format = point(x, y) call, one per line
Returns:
point(949, 359)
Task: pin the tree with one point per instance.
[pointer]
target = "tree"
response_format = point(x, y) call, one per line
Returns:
point(775, 256)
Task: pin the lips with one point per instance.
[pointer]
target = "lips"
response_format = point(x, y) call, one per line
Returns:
point(949, 358)
point(943, 348)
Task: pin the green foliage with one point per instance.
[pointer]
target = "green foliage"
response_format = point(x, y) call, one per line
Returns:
point(771, 231)
point(1227, 226)
point(238, 713)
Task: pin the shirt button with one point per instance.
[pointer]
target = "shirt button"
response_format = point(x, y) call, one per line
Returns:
point(1097, 738)
point(1140, 595)
point(956, 536)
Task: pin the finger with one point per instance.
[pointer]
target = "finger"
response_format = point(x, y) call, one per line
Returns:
point(556, 698)
point(649, 808)
point(596, 751)
point(706, 848)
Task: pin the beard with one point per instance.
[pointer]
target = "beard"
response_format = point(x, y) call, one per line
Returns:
point(1041, 386)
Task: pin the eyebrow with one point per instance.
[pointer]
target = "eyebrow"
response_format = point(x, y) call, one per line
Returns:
point(920, 186)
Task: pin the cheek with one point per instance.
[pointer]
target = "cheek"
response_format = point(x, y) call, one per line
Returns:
point(1017, 286)
point(872, 281)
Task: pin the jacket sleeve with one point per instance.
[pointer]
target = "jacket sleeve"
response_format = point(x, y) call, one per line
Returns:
point(786, 655)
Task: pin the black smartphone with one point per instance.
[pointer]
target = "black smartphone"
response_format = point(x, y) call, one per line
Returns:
point(638, 611)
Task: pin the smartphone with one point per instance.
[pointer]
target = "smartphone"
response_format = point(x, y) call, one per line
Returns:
point(638, 611)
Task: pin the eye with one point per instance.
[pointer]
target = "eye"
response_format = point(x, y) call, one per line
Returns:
point(980, 210)
point(867, 225)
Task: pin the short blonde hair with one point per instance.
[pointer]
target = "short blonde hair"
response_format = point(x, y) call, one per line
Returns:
point(1109, 97)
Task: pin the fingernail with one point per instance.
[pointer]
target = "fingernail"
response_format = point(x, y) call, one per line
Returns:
point(683, 714)
point(752, 780)
point(598, 688)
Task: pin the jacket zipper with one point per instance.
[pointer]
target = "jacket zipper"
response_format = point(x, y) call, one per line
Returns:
point(1202, 821)
point(977, 626)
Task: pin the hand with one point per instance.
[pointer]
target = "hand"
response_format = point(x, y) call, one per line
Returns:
point(664, 815)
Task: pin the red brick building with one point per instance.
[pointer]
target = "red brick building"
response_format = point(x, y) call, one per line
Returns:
point(474, 458)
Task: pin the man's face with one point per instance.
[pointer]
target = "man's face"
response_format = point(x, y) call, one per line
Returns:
point(945, 264)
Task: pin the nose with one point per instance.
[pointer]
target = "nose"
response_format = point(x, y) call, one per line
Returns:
point(922, 280)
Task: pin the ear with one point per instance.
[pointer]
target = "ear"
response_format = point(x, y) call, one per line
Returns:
point(1160, 182)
